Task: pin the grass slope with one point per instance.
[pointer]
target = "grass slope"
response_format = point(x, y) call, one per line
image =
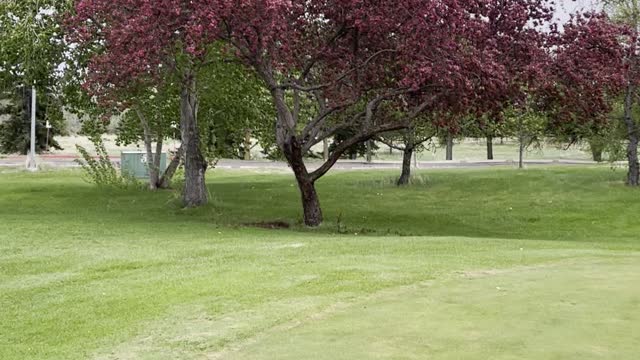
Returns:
point(495, 263)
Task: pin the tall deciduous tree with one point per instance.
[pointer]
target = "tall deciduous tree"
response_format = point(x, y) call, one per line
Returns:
point(355, 57)
point(408, 141)
point(31, 51)
point(589, 73)
point(139, 43)
point(627, 12)
point(15, 130)
point(150, 119)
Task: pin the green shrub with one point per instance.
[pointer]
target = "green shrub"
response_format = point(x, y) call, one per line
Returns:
point(100, 170)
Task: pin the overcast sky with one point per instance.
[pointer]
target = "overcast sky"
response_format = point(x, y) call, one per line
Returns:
point(566, 7)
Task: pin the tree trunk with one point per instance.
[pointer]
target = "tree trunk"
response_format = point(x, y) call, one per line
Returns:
point(597, 154)
point(325, 149)
point(195, 166)
point(154, 171)
point(406, 166)
point(489, 148)
point(449, 147)
point(310, 201)
point(165, 181)
point(633, 177)
point(369, 151)
point(157, 159)
point(247, 144)
point(521, 152)
point(597, 149)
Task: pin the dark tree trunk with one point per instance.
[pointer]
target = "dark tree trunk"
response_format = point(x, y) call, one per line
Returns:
point(521, 147)
point(292, 150)
point(306, 184)
point(369, 151)
point(449, 147)
point(489, 148)
point(195, 190)
point(157, 160)
point(597, 149)
point(633, 177)
point(406, 166)
point(310, 202)
point(165, 181)
point(597, 154)
point(325, 149)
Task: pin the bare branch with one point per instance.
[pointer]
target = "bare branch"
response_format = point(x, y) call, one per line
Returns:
point(345, 145)
point(290, 85)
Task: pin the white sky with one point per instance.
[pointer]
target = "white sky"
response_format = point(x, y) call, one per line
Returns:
point(566, 7)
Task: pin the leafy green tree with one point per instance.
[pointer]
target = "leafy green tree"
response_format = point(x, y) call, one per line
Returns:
point(528, 124)
point(152, 118)
point(16, 129)
point(31, 45)
point(31, 52)
point(235, 110)
point(627, 12)
point(232, 103)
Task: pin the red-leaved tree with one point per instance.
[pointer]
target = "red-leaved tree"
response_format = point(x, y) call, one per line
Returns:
point(588, 73)
point(366, 66)
point(135, 44)
point(374, 66)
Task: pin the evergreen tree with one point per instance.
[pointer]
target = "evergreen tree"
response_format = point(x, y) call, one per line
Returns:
point(15, 131)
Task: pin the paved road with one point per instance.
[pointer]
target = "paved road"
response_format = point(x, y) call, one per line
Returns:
point(67, 161)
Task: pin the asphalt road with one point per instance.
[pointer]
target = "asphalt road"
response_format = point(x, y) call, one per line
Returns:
point(67, 161)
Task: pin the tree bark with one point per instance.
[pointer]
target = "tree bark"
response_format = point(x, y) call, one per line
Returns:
point(247, 144)
point(195, 190)
point(310, 202)
point(325, 149)
point(597, 149)
point(369, 144)
point(306, 184)
point(165, 181)
point(407, 155)
point(157, 159)
point(489, 147)
point(521, 152)
point(633, 176)
point(154, 171)
point(449, 147)
point(292, 150)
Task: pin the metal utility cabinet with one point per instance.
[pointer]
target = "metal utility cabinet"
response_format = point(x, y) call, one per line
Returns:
point(136, 164)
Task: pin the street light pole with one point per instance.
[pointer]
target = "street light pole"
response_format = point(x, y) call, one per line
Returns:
point(32, 166)
point(48, 126)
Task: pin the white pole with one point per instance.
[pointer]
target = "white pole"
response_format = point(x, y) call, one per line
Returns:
point(32, 153)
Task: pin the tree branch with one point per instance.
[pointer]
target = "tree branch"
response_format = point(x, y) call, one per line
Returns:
point(345, 145)
point(295, 86)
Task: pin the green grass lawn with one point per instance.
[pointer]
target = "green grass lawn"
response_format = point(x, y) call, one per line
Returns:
point(465, 264)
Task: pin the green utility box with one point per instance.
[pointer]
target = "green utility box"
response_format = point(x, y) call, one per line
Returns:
point(134, 163)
